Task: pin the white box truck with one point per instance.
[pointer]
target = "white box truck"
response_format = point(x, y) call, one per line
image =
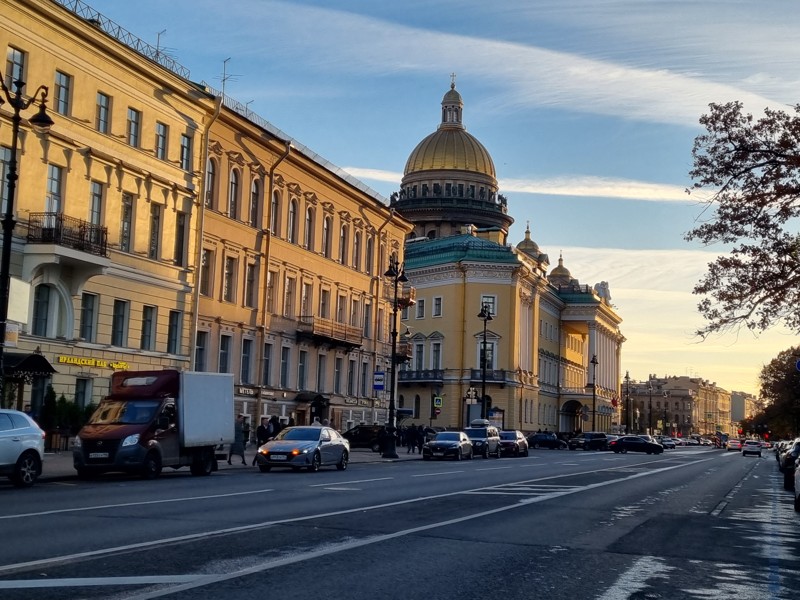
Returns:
point(156, 419)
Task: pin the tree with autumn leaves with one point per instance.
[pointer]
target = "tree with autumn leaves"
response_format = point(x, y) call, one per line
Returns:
point(747, 171)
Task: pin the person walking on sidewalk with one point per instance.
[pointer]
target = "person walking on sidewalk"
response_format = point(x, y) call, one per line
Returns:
point(262, 435)
point(237, 447)
point(411, 440)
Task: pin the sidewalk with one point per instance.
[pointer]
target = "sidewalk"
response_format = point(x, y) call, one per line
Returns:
point(58, 465)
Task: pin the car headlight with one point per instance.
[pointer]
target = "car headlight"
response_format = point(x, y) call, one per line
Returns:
point(76, 442)
point(131, 440)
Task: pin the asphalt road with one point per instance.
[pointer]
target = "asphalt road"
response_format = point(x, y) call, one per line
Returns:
point(692, 523)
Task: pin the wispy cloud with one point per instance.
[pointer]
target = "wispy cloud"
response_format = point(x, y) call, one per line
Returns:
point(579, 185)
point(525, 75)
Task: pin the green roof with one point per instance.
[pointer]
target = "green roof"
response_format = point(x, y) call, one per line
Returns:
point(456, 248)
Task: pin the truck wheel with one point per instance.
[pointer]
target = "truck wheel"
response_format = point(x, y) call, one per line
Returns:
point(151, 468)
point(27, 470)
point(316, 463)
point(203, 464)
point(343, 462)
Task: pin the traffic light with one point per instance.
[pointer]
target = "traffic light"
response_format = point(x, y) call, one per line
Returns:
point(741, 431)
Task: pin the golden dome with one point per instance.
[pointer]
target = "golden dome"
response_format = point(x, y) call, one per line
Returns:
point(450, 148)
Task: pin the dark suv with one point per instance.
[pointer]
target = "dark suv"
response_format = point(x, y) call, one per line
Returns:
point(589, 440)
point(485, 438)
point(546, 440)
point(364, 436)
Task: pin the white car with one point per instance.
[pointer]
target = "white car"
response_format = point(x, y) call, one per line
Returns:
point(751, 447)
point(21, 448)
point(734, 444)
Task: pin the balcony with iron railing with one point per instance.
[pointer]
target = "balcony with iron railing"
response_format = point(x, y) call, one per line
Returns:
point(406, 295)
point(69, 232)
point(421, 376)
point(501, 376)
point(323, 330)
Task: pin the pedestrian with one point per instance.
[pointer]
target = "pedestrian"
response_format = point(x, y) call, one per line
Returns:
point(411, 440)
point(237, 447)
point(274, 427)
point(316, 422)
point(326, 423)
point(420, 438)
point(262, 435)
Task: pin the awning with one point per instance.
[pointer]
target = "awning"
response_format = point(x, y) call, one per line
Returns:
point(25, 367)
point(312, 398)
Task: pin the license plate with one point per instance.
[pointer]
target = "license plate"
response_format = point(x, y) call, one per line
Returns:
point(98, 455)
point(278, 457)
point(438, 453)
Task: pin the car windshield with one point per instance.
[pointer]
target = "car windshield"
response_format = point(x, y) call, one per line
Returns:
point(306, 434)
point(475, 432)
point(447, 436)
point(508, 435)
point(124, 412)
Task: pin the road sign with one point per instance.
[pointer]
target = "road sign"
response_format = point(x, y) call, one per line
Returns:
point(438, 402)
point(437, 411)
point(378, 380)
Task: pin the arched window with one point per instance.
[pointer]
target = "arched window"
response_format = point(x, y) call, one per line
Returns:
point(308, 234)
point(343, 245)
point(51, 317)
point(382, 258)
point(274, 214)
point(211, 183)
point(291, 226)
point(327, 225)
point(233, 195)
point(369, 254)
point(357, 250)
point(255, 203)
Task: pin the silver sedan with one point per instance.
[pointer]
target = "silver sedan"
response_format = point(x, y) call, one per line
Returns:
point(309, 447)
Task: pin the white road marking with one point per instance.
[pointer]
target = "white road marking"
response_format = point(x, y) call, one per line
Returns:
point(127, 504)
point(439, 473)
point(493, 468)
point(96, 581)
point(354, 481)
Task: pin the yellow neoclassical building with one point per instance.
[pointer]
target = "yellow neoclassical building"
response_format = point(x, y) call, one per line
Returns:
point(291, 295)
point(493, 334)
point(106, 203)
point(160, 227)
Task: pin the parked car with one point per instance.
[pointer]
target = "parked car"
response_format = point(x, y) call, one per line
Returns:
point(751, 447)
point(796, 488)
point(364, 436)
point(666, 442)
point(706, 442)
point(307, 447)
point(634, 443)
point(448, 444)
point(513, 443)
point(21, 448)
point(734, 444)
point(546, 440)
point(787, 464)
point(485, 438)
point(590, 440)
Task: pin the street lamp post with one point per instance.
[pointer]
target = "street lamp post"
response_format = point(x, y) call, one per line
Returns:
point(486, 316)
point(594, 363)
point(650, 407)
point(397, 275)
point(41, 123)
point(627, 402)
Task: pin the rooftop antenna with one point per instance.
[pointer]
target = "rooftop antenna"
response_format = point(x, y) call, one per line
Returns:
point(225, 75)
point(158, 42)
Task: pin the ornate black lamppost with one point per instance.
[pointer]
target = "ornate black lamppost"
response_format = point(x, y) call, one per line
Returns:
point(41, 123)
point(397, 275)
point(485, 315)
point(594, 362)
point(650, 407)
point(627, 402)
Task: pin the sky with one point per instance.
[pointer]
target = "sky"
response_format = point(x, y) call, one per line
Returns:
point(589, 109)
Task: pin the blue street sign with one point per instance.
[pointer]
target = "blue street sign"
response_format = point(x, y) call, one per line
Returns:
point(378, 380)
